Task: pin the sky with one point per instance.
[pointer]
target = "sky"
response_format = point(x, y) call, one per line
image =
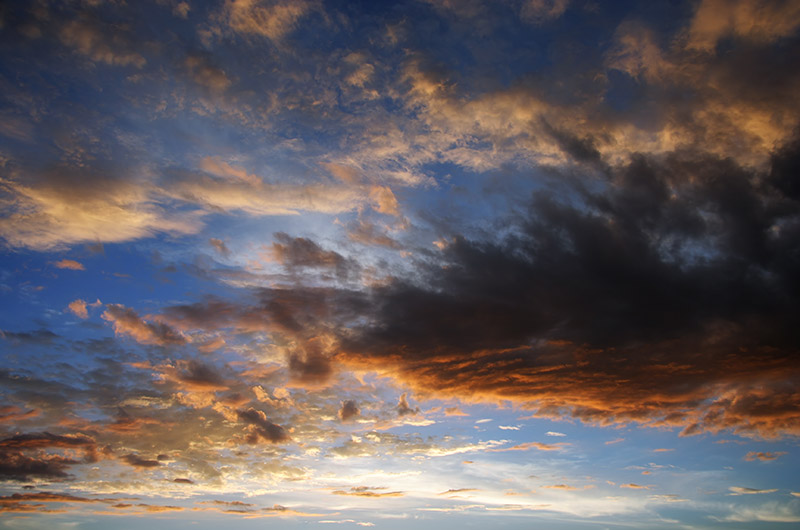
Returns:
point(444, 264)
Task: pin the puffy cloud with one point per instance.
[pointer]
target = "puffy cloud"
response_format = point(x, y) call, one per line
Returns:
point(604, 281)
point(262, 427)
point(80, 308)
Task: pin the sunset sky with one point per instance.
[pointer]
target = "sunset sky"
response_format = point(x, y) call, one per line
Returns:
point(429, 264)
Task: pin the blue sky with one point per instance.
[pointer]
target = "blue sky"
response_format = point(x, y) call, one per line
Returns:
point(430, 262)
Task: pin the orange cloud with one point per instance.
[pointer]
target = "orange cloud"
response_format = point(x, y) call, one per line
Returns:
point(533, 445)
point(127, 322)
point(69, 264)
point(764, 456)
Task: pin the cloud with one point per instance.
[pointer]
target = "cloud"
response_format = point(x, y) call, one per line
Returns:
point(533, 445)
point(298, 253)
point(261, 427)
point(225, 188)
point(612, 280)
point(736, 490)
point(127, 322)
point(220, 246)
point(24, 456)
point(403, 407)
point(773, 512)
point(271, 19)
point(78, 308)
point(552, 433)
point(762, 22)
point(69, 206)
point(540, 11)
point(137, 461)
point(634, 486)
point(384, 200)
point(366, 491)
point(99, 43)
point(349, 410)
point(203, 72)
point(69, 264)
point(764, 456)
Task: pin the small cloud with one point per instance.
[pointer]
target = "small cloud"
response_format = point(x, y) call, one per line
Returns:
point(181, 10)
point(69, 264)
point(763, 456)
point(403, 408)
point(533, 445)
point(137, 461)
point(454, 411)
point(662, 450)
point(484, 420)
point(509, 427)
point(220, 246)
point(749, 491)
point(459, 490)
point(618, 440)
point(262, 427)
point(565, 487)
point(553, 433)
point(367, 491)
point(634, 486)
point(348, 410)
point(78, 308)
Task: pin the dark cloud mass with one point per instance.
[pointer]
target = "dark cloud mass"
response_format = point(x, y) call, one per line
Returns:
point(674, 284)
point(42, 455)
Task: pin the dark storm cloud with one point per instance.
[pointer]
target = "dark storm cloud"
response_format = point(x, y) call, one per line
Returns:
point(631, 303)
point(262, 427)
